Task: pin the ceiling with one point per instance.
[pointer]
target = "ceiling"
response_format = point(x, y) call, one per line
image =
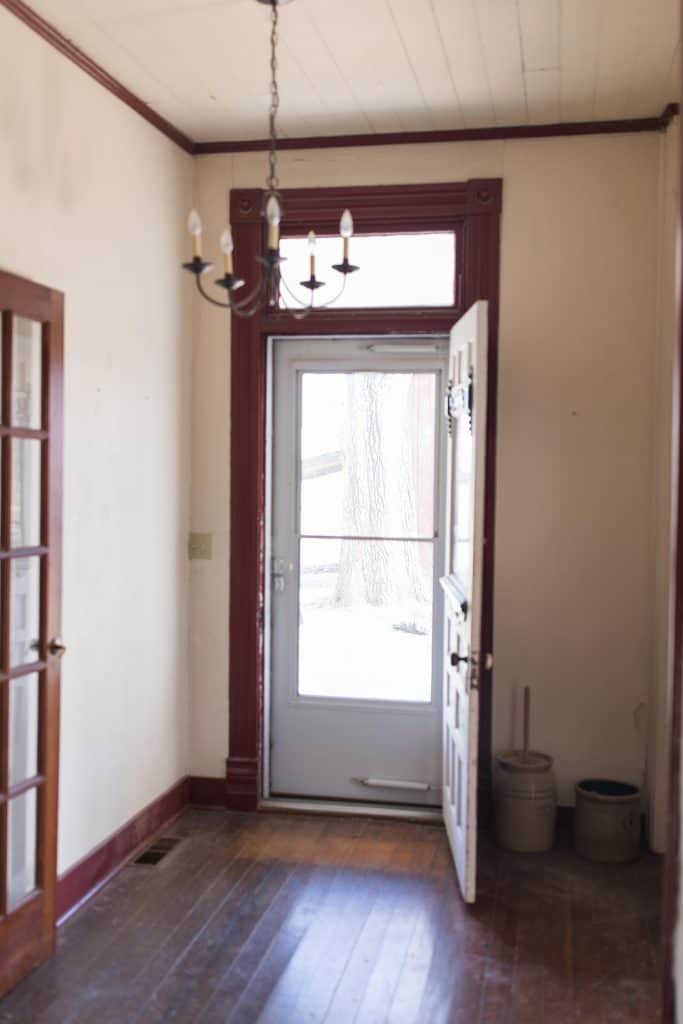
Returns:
point(363, 66)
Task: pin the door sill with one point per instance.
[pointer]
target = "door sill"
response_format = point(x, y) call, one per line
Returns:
point(426, 815)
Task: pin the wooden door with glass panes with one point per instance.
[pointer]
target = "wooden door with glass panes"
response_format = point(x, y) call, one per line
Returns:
point(30, 647)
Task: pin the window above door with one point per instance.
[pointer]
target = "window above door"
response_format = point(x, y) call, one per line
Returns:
point(397, 269)
point(425, 253)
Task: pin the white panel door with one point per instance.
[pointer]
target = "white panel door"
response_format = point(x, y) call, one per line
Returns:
point(357, 534)
point(462, 585)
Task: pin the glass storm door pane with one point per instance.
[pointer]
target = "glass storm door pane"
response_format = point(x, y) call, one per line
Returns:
point(21, 847)
point(26, 488)
point(367, 455)
point(23, 728)
point(24, 610)
point(371, 600)
point(27, 374)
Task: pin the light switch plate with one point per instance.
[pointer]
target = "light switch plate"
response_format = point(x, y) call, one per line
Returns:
point(200, 545)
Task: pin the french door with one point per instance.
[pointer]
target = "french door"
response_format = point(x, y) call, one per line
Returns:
point(30, 648)
point(356, 510)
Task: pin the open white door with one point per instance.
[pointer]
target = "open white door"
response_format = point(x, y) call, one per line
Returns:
point(462, 584)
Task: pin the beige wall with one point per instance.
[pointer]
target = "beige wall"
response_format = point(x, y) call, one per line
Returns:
point(578, 337)
point(668, 273)
point(92, 202)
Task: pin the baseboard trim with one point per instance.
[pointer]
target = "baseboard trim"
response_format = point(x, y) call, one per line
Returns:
point(207, 792)
point(98, 867)
point(242, 783)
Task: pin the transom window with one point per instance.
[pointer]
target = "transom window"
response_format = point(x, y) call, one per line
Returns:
point(397, 270)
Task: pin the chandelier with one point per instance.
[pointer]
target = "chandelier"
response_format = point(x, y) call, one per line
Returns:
point(271, 289)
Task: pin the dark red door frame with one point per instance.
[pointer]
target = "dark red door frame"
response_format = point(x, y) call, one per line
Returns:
point(470, 208)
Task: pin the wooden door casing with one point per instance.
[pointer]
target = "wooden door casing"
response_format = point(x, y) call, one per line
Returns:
point(27, 931)
point(474, 209)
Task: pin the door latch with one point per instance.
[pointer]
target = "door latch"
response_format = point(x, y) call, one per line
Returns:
point(279, 574)
point(472, 662)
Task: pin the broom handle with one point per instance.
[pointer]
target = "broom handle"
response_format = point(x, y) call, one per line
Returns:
point(527, 714)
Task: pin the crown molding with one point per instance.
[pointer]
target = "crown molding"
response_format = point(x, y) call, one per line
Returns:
point(526, 131)
point(522, 131)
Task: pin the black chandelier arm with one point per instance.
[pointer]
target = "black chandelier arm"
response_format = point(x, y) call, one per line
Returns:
point(304, 307)
point(252, 304)
point(326, 305)
point(209, 298)
point(244, 307)
point(304, 311)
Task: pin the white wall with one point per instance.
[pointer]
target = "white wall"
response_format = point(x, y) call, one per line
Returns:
point(92, 202)
point(574, 579)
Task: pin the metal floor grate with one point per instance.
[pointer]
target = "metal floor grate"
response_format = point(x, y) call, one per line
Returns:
point(158, 850)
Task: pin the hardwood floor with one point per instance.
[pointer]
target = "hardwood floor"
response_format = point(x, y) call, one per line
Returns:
point(293, 920)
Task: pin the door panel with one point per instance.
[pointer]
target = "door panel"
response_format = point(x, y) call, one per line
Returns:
point(357, 546)
point(30, 585)
point(463, 587)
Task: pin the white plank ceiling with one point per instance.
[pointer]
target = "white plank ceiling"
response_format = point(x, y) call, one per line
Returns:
point(349, 66)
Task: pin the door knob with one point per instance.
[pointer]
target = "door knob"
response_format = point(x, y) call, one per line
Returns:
point(56, 647)
point(472, 661)
point(456, 659)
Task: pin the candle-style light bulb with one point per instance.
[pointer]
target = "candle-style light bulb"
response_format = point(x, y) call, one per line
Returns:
point(312, 241)
point(227, 248)
point(346, 224)
point(273, 215)
point(346, 230)
point(194, 226)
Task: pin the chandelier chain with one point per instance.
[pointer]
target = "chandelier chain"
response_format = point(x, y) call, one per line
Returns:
point(271, 288)
point(272, 180)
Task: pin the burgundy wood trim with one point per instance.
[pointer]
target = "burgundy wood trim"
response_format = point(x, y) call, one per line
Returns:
point(52, 475)
point(69, 50)
point(473, 210)
point(481, 266)
point(23, 942)
point(247, 532)
point(34, 782)
point(24, 432)
point(521, 131)
point(86, 877)
point(206, 792)
point(672, 868)
point(667, 115)
point(437, 206)
point(24, 552)
point(5, 521)
point(243, 775)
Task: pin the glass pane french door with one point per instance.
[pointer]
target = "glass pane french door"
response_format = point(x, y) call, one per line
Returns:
point(30, 564)
point(356, 527)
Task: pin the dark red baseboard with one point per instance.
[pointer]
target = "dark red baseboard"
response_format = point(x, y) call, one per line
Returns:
point(207, 792)
point(97, 867)
point(242, 783)
point(86, 877)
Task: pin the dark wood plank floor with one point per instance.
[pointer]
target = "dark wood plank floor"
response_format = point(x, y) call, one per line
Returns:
point(295, 920)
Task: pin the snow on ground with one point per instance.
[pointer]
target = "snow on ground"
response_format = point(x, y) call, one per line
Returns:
point(356, 652)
